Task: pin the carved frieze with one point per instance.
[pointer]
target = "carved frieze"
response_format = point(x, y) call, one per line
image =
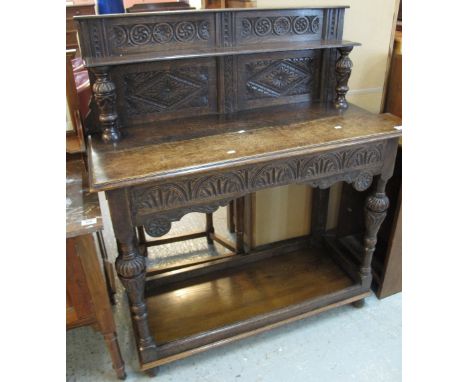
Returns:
point(134, 35)
point(279, 25)
point(318, 170)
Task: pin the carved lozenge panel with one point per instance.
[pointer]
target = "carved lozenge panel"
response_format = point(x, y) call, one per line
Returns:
point(319, 170)
point(279, 78)
point(160, 90)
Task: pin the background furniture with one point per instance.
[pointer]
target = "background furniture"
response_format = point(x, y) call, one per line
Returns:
point(212, 4)
point(164, 6)
point(262, 97)
point(72, 11)
point(89, 289)
point(75, 143)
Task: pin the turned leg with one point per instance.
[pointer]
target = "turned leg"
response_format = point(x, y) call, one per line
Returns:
point(239, 216)
point(209, 228)
point(105, 96)
point(131, 269)
point(319, 213)
point(114, 350)
point(343, 72)
point(374, 214)
point(231, 225)
point(152, 372)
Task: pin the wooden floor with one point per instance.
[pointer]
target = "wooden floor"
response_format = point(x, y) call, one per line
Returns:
point(206, 302)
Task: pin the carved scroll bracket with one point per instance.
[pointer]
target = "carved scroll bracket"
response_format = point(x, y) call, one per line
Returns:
point(343, 72)
point(105, 96)
point(160, 224)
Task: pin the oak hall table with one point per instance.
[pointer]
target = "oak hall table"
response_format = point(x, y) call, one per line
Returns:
point(194, 109)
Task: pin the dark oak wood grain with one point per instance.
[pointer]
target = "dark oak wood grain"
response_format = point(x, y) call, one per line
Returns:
point(208, 302)
point(195, 110)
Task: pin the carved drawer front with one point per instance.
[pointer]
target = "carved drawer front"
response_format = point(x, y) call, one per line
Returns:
point(279, 78)
point(276, 26)
point(355, 165)
point(161, 90)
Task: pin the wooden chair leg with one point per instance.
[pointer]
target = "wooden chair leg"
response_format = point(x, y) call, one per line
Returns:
point(114, 350)
point(209, 228)
point(239, 215)
point(231, 225)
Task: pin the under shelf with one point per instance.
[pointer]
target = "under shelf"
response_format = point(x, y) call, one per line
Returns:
point(216, 52)
point(200, 312)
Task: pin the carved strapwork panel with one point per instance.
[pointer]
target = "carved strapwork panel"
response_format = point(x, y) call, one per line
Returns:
point(279, 78)
point(159, 90)
point(318, 170)
point(273, 26)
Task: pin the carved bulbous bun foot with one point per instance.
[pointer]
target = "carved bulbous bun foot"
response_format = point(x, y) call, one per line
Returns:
point(152, 372)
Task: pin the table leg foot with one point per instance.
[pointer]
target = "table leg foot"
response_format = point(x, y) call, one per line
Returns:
point(359, 303)
point(152, 372)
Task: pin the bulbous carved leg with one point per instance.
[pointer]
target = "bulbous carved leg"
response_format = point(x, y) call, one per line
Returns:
point(375, 211)
point(131, 268)
point(343, 72)
point(104, 94)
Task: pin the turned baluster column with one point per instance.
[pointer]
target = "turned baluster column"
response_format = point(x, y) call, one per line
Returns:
point(375, 211)
point(343, 71)
point(131, 269)
point(105, 96)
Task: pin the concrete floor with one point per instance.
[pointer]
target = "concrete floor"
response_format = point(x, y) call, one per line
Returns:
point(342, 345)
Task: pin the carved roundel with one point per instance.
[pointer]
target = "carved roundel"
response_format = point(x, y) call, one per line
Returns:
point(163, 33)
point(185, 31)
point(140, 34)
point(119, 35)
point(282, 25)
point(263, 26)
point(300, 25)
point(246, 28)
point(157, 227)
point(315, 24)
point(363, 181)
point(203, 30)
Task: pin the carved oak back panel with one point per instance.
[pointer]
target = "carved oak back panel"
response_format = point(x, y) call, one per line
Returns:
point(169, 65)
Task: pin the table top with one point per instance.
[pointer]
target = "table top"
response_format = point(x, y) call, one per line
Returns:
point(83, 211)
point(165, 149)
